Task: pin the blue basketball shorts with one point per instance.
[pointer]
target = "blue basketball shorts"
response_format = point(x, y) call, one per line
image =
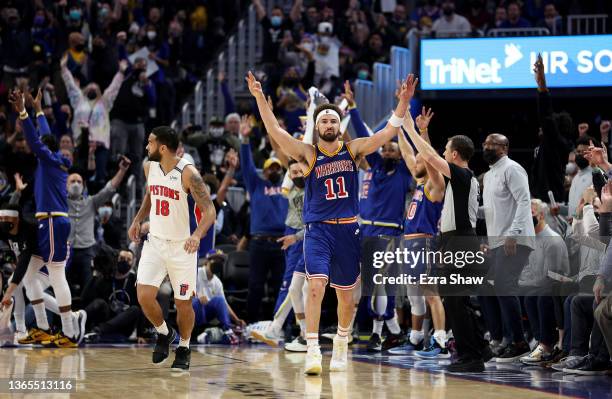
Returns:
point(53, 235)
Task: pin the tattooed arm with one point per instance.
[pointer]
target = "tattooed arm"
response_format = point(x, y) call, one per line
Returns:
point(193, 183)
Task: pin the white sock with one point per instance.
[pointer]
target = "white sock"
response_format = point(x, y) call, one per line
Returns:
point(342, 332)
point(377, 326)
point(162, 329)
point(312, 340)
point(184, 342)
point(41, 316)
point(440, 337)
point(68, 324)
point(302, 323)
point(416, 337)
point(393, 326)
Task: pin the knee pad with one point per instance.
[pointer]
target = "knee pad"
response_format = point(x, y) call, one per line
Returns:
point(417, 305)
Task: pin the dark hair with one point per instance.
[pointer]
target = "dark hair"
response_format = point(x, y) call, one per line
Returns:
point(50, 141)
point(291, 161)
point(463, 145)
point(165, 135)
point(323, 107)
point(586, 140)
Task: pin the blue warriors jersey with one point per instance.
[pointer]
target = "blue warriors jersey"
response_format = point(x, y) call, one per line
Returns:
point(332, 186)
point(423, 215)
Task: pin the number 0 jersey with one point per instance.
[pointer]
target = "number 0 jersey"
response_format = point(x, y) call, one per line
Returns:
point(173, 215)
point(332, 186)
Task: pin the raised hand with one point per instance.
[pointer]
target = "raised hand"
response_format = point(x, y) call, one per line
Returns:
point(17, 99)
point(422, 121)
point(123, 66)
point(406, 90)
point(538, 70)
point(19, 184)
point(348, 94)
point(254, 85)
point(124, 163)
point(35, 102)
point(245, 126)
point(232, 158)
point(64, 61)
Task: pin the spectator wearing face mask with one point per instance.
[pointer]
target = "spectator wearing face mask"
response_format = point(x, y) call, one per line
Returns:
point(210, 302)
point(109, 228)
point(451, 24)
point(215, 144)
point(16, 47)
point(273, 28)
point(584, 177)
point(267, 224)
point(327, 54)
point(110, 298)
point(91, 110)
point(82, 210)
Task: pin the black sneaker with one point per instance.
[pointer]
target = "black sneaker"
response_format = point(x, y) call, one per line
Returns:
point(374, 344)
point(464, 365)
point(555, 356)
point(593, 366)
point(181, 359)
point(514, 352)
point(393, 341)
point(162, 346)
point(487, 353)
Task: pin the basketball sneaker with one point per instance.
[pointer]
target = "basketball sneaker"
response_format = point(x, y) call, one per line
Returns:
point(162, 346)
point(313, 361)
point(182, 358)
point(407, 349)
point(339, 358)
point(514, 352)
point(297, 345)
point(269, 337)
point(59, 340)
point(36, 336)
point(374, 344)
point(569, 362)
point(393, 341)
point(434, 350)
point(535, 357)
point(80, 318)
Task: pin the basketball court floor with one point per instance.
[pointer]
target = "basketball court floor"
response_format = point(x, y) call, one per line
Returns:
point(125, 371)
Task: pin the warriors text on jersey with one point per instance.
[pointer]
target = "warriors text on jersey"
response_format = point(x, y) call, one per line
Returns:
point(173, 215)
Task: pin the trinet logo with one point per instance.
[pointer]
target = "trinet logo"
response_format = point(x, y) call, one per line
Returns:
point(460, 71)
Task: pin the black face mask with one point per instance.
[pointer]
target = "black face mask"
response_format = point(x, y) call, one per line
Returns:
point(535, 221)
point(390, 164)
point(91, 95)
point(581, 162)
point(299, 182)
point(490, 156)
point(448, 11)
point(123, 267)
point(274, 177)
point(79, 47)
point(216, 267)
point(5, 228)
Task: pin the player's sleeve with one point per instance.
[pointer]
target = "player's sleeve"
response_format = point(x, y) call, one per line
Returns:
point(249, 172)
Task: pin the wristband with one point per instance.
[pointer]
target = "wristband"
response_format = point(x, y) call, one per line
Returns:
point(396, 121)
point(23, 115)
point(40, 114)
point(423, 130)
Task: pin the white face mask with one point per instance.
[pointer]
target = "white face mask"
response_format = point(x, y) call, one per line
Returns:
point(151, 34)
point(75, 189)
point(217, 157)
point(105, 212)
point(216, 131)
point(571, 168)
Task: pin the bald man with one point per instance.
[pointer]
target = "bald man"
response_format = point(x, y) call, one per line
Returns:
point(507, 212)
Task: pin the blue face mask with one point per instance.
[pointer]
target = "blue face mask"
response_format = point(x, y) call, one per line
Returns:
point(75, 14)
point(363, 75)
point(276, 20)
point(39, 20)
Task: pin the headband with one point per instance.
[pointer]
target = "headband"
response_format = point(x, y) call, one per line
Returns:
point(327, 111)
point(9, 213)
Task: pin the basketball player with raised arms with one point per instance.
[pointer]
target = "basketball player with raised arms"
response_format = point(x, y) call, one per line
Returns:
point(331, 205)
point(174, 189)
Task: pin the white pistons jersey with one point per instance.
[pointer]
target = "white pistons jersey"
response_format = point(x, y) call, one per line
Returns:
point(172, 216)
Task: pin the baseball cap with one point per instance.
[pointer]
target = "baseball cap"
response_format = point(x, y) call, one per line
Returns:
point(271, 161)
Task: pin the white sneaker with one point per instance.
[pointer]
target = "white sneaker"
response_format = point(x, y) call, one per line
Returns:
point(339, 354)
point(313, 361)
point(20, 335)
point(297, 345)
point(535, 356)
point(80, 318)
point(269, 337)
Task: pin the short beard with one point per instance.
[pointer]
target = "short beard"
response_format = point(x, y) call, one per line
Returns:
point(329, 137)
point(155, 157)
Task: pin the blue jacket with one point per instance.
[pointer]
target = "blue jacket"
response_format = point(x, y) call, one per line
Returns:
point(52, 171)
point(268, 205)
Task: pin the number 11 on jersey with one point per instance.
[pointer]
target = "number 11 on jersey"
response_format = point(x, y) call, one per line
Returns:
point(331, 194)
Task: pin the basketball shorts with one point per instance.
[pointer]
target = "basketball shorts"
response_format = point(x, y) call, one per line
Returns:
point(53, 235)
point(332, 251)
point(162, 257)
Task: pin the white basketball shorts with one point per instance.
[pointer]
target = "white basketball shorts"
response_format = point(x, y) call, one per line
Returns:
point(160, 257)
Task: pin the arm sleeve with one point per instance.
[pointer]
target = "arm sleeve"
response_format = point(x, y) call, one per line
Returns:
point(519, 187)
point(249, 172)
point(112, 90)
point(103, 195)
point(43, 125)
point(22, 266)
point(74, 93)
point(37, 146)
point(230, 106)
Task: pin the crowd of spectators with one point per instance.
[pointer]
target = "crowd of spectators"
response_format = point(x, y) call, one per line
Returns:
point(110, 70)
